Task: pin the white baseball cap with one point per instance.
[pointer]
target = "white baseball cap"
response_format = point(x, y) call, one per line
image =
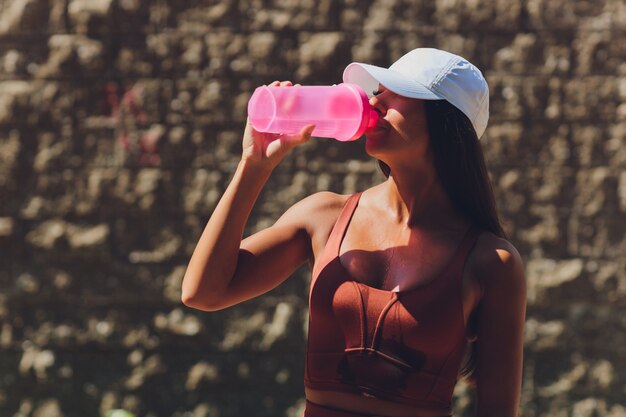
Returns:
point(430, 74)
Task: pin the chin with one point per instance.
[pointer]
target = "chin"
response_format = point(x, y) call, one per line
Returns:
point(375, 144)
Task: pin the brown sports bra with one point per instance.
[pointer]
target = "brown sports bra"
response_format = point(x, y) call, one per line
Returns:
point(405, 346)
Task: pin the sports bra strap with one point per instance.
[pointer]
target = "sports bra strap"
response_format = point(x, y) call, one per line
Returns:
point(339, 229)
point(341, 225)
point(465, 247)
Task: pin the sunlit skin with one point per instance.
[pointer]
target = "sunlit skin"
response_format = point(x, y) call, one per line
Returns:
point(401, 128)
point(408, 218)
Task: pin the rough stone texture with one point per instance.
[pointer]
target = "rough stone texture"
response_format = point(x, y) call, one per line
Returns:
point(120, 127)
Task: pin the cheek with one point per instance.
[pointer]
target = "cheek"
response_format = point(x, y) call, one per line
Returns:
point(409, 119)
point(412, 128)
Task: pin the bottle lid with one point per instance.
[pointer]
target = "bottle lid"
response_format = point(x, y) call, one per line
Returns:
point(369, 116)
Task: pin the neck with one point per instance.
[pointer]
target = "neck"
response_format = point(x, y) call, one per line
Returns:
point(418, 200)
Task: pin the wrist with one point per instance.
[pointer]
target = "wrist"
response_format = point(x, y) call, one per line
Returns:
point(257, 168)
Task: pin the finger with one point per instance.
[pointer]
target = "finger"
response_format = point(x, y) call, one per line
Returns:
point(308, 130)
point(248, 124)
point(305, 133)
point(297, 85)
point(286, 84)
point(275, 83)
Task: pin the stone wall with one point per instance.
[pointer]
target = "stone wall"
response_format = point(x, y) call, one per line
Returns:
point(120, 127)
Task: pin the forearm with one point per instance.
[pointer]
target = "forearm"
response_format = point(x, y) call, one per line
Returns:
point(214, 259)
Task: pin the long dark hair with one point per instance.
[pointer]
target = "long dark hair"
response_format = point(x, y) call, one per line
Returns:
point(461, 169)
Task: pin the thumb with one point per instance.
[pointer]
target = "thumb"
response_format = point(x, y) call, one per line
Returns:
point(299, 138)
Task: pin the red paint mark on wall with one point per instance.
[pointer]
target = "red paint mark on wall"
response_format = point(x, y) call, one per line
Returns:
point(125, 106)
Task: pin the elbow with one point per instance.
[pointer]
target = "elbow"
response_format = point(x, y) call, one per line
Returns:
point(194, 293)
point(195, 299)
point(188, 299)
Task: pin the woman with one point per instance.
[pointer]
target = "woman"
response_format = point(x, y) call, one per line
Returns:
point(413, 281)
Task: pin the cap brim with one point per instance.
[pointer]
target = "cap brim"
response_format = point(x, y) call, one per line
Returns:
point(369, 76)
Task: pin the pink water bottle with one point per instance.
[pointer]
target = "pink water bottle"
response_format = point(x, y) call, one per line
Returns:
point(337, 111)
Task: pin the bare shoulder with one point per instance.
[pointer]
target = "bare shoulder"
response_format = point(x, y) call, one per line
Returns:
point(315, 215)
point(324, 200)
point(497, 263)
point(315, 210)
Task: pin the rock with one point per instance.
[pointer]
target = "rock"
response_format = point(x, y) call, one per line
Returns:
point(13, 63)
point(602, 374)
point(317, 51)
point(153, 365)
point(202, 371)
point(6, 227)
point(239, 329)
point(516, 56)
point(9, 150)
point(85, 14)
point(36, 360)
point(262, 45)
point(206, 410)
point(173, 284)
point(72, 52)
point(48, 408)
point(27, 283)
point(622, 191)
point(47, 234)
point(543, 274)
point(51, 152)
point(22, 16)
point(276, 329)
point(14, 97)
point(89, 236)
point(565, 383)
point(50, 233)
point(179, 323)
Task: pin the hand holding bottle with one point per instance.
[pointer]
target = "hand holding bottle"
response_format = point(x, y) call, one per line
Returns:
point(341, 112)
point(266, 150)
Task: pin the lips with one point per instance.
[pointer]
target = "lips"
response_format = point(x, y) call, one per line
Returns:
point(381, 126)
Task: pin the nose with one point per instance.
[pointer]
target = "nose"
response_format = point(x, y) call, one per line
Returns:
point(376, 104)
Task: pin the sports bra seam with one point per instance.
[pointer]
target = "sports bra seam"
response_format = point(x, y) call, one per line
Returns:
point(380, 322)
point(362, 316)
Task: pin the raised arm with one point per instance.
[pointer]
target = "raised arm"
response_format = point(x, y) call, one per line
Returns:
point(221, 261)
point(500, 341)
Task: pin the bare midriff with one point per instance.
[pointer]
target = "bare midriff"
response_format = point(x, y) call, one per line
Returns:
point(368, 405)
